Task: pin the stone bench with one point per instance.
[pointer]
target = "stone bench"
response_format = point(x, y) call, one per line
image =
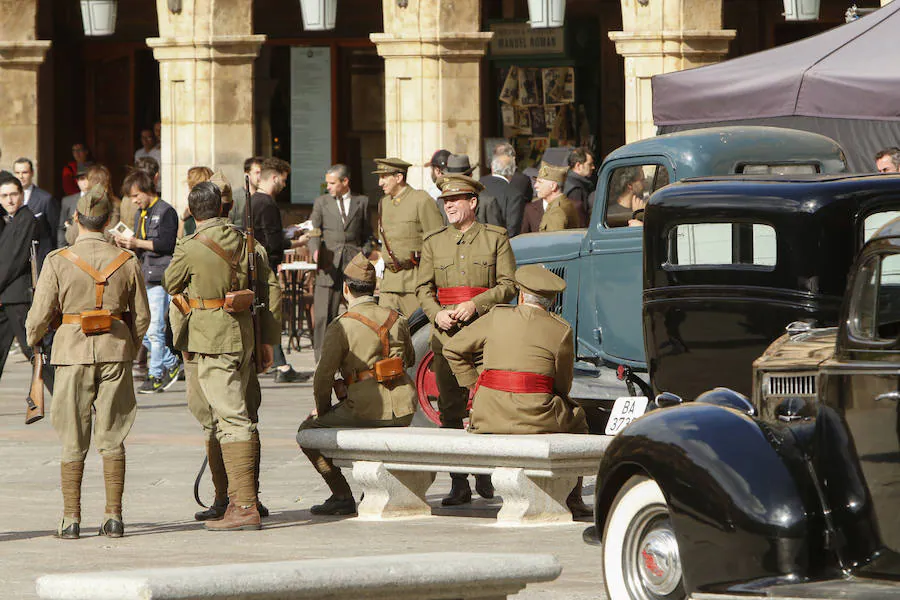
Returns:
point(395, 467)
point(445, 575)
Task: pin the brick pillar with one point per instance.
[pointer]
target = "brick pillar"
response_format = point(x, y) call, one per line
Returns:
point(432, 52)
point(20, 58)
point(205, 56)
point(661, 36)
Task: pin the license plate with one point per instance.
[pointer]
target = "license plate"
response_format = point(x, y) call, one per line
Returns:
point(624, 411)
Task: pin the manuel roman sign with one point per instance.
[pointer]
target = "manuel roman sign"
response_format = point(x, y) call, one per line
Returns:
point(517, 39)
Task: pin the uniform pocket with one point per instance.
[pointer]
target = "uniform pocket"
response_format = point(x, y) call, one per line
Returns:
point(487, 266)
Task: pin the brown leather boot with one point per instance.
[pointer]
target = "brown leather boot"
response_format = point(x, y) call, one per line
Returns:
point(237, 518)
point(242, 513)
point(576, 504)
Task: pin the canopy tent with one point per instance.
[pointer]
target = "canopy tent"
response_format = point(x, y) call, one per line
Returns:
point(843, 83)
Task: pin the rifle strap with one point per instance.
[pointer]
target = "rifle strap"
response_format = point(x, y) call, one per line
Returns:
point(99, 277)
point(233, 261)
point(380, 330)
point(387, 244)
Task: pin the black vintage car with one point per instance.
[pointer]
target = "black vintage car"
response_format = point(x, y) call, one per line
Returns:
point(795, 493)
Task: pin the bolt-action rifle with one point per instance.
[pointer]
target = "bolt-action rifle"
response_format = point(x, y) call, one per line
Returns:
point(257, 305)
point(34, 403)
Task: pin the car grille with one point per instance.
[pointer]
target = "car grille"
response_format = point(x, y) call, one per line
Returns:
point(797, 384)
point(558, 303)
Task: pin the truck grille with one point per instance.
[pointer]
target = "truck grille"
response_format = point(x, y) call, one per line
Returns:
point(558, 303)
point(800, 384)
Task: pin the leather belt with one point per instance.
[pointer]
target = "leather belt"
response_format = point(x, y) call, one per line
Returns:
point(207, 304)
point(515, 382)
point(457, 295)
point(75, 319)
point(360, 376)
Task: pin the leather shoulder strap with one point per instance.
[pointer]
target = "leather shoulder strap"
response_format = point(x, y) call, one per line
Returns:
point(99, 277)
point(380, 330)
point(233, 261)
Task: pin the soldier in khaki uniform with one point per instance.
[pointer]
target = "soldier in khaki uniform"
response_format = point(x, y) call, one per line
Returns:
point(197, 402)
point(467, 268)
point(206, 266)
point(93, 371)
point(354, 346)
point(405, 215)
point(528, 358)
point(559, 212)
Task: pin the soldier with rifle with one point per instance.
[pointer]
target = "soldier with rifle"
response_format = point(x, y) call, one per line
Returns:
point(98, 292)
point(233, 306)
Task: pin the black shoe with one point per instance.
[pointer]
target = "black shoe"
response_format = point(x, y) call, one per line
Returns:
point(72, 532)
point(483, 486)
point(113, 528)
point(290, 376)
point(578, 508)
point(460, 492)
point(170, 376)
point(335, 506)
point(263, 511)
point(151, 385)
point(213, 513)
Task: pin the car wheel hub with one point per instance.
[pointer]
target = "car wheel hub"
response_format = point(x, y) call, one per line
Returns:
point(658, 562)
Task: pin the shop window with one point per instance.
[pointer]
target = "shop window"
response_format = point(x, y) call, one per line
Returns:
point(696, 244)
point(628, 189)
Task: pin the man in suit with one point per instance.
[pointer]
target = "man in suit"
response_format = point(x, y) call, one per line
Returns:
point(238, 212)
point(488, 210)
point(67, 229)
point(340, 228)
point(510, 201)
point(519, 181)
point(44, 207)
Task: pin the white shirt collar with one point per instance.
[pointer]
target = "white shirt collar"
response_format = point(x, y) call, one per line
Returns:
point(501, 177)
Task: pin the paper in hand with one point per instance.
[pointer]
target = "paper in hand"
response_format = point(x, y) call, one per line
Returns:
point(122, 230)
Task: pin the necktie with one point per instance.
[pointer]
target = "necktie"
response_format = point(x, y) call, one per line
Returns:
point(340, 202)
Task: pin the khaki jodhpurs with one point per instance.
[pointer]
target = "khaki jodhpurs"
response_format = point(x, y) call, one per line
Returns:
point(109, 389)
point(223, 394)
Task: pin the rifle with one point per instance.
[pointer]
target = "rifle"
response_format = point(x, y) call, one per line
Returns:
point(253, 284)
point(34, 403)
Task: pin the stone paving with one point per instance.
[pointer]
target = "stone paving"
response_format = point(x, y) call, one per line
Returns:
point(165, 450)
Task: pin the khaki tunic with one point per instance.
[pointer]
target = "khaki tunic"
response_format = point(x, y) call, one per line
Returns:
point(521, 338)
point(93, 373)
point(350, 347)
point(406, 219)
point(560, 214)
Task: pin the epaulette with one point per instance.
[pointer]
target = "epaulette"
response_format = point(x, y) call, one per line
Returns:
point(558, 318)
point(435, 232)
point(496, 228)
point(503, 306)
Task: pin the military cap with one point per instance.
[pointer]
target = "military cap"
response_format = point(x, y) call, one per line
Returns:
point(537, 280)
point(94, 203)
point(459, 163)
point(458, 185)
point(553, 173)
point(224, 186)
point(360, 269)
point(390, 166)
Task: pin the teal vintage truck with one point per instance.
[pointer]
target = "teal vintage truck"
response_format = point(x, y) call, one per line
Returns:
point(602, 265)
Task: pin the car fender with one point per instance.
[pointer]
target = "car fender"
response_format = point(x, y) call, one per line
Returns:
point(737, 508)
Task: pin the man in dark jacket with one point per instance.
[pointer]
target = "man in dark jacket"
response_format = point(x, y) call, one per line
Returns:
point(155, 232)
point(510, 201)
point(42, 205)
point(18, 228)
point(519, 181)
point(578, 186)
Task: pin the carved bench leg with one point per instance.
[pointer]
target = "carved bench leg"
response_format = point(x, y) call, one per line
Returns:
point(391, 494)
point(532, 501)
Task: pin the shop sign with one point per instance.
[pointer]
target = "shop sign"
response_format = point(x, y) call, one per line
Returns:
point(519, 39)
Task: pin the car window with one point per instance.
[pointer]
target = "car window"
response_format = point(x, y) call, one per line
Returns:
point(693, 244)
point(628, 189)
point(876, 221)
point(789, 169)
point(875, 308)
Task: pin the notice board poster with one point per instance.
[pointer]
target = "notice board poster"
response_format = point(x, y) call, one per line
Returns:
point(310, 122)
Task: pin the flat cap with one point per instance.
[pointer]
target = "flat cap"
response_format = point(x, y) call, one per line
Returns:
point(224, 186)
point(94, 203)
point(389, 166)
point(537, 280)
point(553, 173)
point(458, 185)
point(360, 269)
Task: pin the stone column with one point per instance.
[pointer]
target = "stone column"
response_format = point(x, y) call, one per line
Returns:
point(661, 36)
point(205, 55)
point(20, 58)
point(432, 52)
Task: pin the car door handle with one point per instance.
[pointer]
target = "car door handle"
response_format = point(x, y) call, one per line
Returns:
point(895, 396)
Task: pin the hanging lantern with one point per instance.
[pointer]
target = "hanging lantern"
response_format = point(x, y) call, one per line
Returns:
point(801, 10)
point(547, 13)
point(98, 17)
point(318, 15)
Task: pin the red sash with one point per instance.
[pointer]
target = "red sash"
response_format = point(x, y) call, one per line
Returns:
point(457, 295)
point(515, 382)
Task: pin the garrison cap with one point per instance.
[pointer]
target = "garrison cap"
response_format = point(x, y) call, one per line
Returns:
point(537, 280)
point(458, 185)
point(94, 203)
point(224, 186)
point(390, 166)
point(553, 173)
point(360, 269)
